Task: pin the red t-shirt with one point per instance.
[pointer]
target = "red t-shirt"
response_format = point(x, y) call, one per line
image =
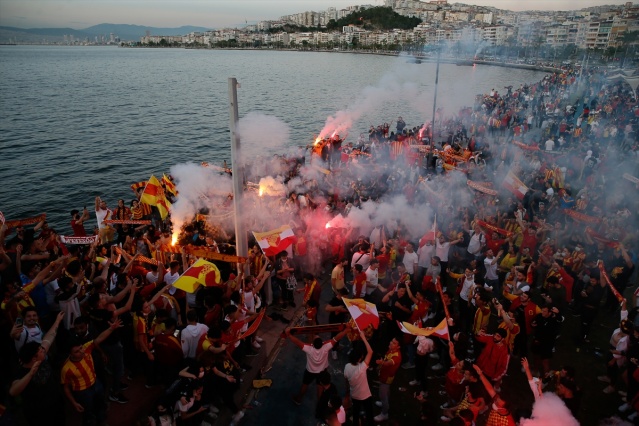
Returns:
point(359, 283)
point(168, 350)
point(384, 260)
point(387, 372)
point(78, 229)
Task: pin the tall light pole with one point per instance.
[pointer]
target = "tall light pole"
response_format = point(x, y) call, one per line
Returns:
point(432, 127)
point(241, 240)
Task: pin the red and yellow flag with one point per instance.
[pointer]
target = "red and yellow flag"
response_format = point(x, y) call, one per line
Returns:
point(440, 330)
point(169, 185)
point(201, 272)
point(154, 195)
point(138, 185)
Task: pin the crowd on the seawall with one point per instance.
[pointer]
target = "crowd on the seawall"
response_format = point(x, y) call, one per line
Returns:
point(528, 214)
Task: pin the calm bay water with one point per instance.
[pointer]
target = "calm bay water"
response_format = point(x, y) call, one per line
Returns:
point(77, 122)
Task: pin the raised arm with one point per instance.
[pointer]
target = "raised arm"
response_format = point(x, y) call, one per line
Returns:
point(294, 339)
point(129, 265)
point(129, 302)
point(410, 295)
point(503, 314)
point(369, 350)
point(262, 277)
point(116, 323)
point(485, 382)
point(158, 294)
point(84, 217)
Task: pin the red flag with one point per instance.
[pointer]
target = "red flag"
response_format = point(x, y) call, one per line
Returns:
point(254, 326)
point(430, 235)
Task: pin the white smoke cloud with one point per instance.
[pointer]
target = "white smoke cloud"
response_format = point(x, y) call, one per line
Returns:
point(199, 187)
point(397, 85)
point(390, 212)
point(262, 134)
point(550, 410)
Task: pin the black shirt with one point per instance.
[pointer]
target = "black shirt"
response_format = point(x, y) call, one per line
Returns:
point(336, 317)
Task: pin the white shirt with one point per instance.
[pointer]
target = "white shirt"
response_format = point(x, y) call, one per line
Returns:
point(363, 259)
point(424, 345)
point(550, 145)
point(425, 254)
point(410, 259)
point(371, 280)
point(466, 285)
point(33, 334)
point(491, 269)
point(357, 380)
point(102, 215)
point(317, 359)
point(169, 279)
point(152, 277)
point(190, 337)
point(441, 251)
point(474, 246)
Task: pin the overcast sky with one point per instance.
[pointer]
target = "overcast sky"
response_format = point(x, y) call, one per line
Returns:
point(81, 14)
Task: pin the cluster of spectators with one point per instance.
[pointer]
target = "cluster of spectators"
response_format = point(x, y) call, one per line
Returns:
point(80, 320)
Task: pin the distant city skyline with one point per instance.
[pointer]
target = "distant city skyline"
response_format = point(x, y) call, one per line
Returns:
point(209, 13)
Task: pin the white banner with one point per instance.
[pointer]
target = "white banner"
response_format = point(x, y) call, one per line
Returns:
point(79, 240)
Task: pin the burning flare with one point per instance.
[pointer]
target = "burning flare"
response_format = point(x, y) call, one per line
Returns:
point(174, 238)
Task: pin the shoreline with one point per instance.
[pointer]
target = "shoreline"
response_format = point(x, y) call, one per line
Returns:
point(422, 58)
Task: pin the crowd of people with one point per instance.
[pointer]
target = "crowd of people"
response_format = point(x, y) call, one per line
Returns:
point(513, 262)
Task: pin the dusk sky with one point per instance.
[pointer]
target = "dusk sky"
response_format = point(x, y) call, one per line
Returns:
point(79, 14)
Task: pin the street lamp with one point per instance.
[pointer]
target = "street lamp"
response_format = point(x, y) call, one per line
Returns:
point(432, 127)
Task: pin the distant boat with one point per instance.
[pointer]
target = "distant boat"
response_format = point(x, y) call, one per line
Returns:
point(414, 61)
point(465, 63)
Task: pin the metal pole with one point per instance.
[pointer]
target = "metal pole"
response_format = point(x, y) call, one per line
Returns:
point(432, 139)
point(241, 240)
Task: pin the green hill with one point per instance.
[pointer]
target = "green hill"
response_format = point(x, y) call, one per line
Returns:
point(375, 18)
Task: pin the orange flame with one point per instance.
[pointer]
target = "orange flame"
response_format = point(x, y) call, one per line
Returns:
point(174, 238)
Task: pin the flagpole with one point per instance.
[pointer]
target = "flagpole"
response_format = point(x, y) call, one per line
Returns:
point(241, 240)
point(438, 284)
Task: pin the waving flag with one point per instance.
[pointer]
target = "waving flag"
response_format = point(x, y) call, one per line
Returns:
point(201, 272)
point(154, 195)
point(440, 330)
point(430, 235)
point(364, 313)
point(169, 185)
point(275, 241)
point(514, 185)
point(138, 185)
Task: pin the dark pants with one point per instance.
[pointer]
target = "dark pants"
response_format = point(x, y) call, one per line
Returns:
point(421, 363)
point(227, 392)
point(145, 365)
point(92, 400)
point(520, 345)
point(588, 314)
point(115, 356)
point(465, 314)
point(365, 405)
